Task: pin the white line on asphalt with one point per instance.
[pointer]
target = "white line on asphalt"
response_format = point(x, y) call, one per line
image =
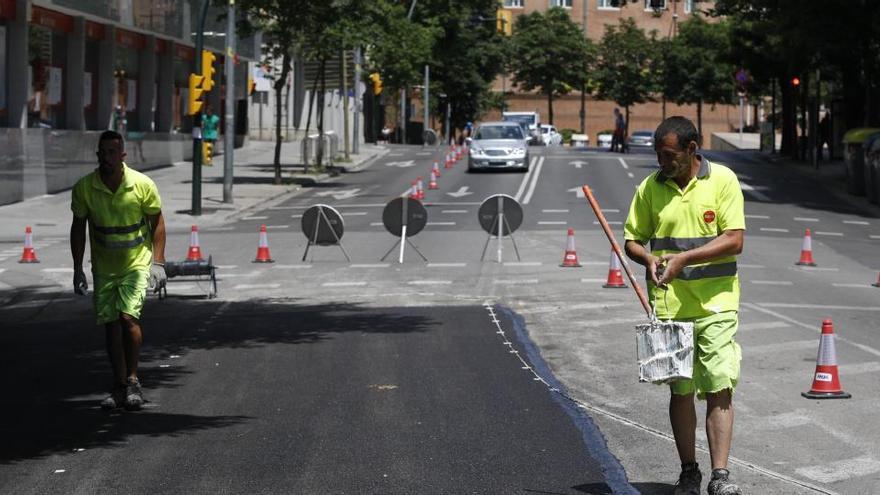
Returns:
point(217, 229)
point(356, 213)
point(343, 284)
point(874, 236)
point(836, 234)
point(291, 267)
point(761, 217)
point(521, 281)
point(279, 227)
point(772, 282)
point(522, 263)
point(758, 194)
point(525, 180)
point(376, 224)
point(805, 219)
point(631, 175)
point(593, 280)
point(226, 267)
point(814, 268)
point(856, 222)
point(831, 472)
point(296, 216)
point(370, 265)
point(856, 286)
point(453, 211)
point(446, 265)
point(58, 270)
point(429, 282)
point(818, 306)
point(534, 181)
point(303, 207)
point(256, 286)
point(254, 218)
point(743, 265)
point(555, 222)
point(766, 325)
point(623, 163)
point(554, 211)
point(610, 210)
point(610, 222)
point(594, 263)
point(769, 229)
point(440, 223)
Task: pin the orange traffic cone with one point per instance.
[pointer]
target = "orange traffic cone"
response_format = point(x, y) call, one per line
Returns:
point(420, 191)
point(263, 248)
point(28, 255)
point(414, 191)
point(878, 282)
point(436, 169)
point(807, 251)
point(432, 184)
point(195, 252)
point(570, 258)
point(448, 163)
point(826, 383)
point(615, 277)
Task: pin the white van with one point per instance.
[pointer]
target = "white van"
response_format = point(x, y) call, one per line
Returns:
point(529, 121)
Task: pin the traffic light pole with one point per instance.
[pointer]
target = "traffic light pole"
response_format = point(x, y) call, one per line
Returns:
point(229, 117)
point(197, 122)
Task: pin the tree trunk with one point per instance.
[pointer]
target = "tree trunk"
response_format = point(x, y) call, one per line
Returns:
point(279, 86)
point(623, 144)
point(319, 157)
point(549, 108)
point(789, 131)
point(700, 119)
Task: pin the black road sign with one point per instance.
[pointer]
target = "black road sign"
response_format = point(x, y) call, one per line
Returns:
point(415, 216)
point(488, 214)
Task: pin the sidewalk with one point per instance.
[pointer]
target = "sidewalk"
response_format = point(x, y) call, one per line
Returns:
point(253, 187)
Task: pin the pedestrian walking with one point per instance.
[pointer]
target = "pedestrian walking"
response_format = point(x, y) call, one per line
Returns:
point(691, 212)
point(618, 135)
point(126, 232)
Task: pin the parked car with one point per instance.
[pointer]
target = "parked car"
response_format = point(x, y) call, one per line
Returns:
point(550, 136)
point(580, 140)
point(498, 145)
point(603, 140)
point(641, 139)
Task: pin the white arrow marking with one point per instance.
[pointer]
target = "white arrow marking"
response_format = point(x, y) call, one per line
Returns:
point(462, 191)
point(578, 191)
point(339, 195)
point(577, 163)
point(405, 164)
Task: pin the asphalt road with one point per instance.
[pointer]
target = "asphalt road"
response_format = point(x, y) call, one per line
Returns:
point(286, 383)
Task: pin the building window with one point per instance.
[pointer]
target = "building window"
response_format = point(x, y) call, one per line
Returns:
point(561, 3)
point(688, 6)
point(655, 4)
point(608, 4)
point(517, 4)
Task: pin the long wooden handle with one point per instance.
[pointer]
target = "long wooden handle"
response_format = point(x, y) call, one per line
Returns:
point(616, 247)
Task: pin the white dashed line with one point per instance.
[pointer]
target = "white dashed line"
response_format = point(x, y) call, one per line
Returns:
point(522, 263)
point(226, 267)
point(760, 217)
point(874, 236)
point(277, 227)
point(835, 234)
point(630, 175)
point(343, 284)
point(593, 280)
point(453, 211)
point(254, 218)
point(218, 229)
point(814, 268)
point(446, 265)
point(856, 222)
point(805, 219)
point(856, 286)
point(440, 223)
point(522, 281)
point(291, 267)
point(58, 270)
point(610, 210)
point(429, 282)
point(256, 286)
point(742, 265)
point(610, 222)
point(296, 216)
point(546, 222)
point(370, 265)
point(554, 211)
point(769, 229)
point(623, 164)
point(376, 224)
point(772, 282)
point(59, 471)
point(355, 213)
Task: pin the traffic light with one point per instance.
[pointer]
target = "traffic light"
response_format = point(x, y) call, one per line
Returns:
point(207, 153)
point(208, 59)
point(195, 94)
point(377, 83)
point(795, 81)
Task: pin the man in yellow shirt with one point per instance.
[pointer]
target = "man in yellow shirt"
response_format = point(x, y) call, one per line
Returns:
point(691, 213)
point(123, 211)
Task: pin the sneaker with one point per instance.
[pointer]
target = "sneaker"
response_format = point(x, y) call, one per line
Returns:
point(721, 485)
point(115, 399)
point(134, 398)
point(689, 480)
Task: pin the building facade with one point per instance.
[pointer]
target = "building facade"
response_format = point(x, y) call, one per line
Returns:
point(71, 69)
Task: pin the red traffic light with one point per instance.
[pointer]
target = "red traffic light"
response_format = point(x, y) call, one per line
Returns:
point(795, 81)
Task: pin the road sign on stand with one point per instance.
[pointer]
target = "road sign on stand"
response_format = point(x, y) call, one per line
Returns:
point(500, 215)
point(404, 218)
point(323, 226)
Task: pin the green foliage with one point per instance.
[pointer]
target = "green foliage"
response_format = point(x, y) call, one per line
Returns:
point(695, 64)
point(566, 135)
point(627, 65)
point(549, 53)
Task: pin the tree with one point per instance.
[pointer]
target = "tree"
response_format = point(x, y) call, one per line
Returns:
point(695, 68)
point(549, 53)
point(625, 71)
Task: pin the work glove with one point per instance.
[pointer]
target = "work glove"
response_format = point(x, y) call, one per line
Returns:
point(157, 276)
point(80, 284)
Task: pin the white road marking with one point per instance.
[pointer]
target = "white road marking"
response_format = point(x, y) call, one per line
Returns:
point(58, 471)
point(856, 222)
point(805, 219)
point(857, 286)
point(772, 282)
point(754, 192)
point(630, 175)
point(743, 265)
point(370, 265)
point(522, 263)
point(254, 218)
point(429, 282)
point(453, 211)
point(831, 472)
point(814, 268)
point(874, 236)
point(595, 263)
point(554, 211)
point(343, 284)
point(769, 229)
point(525, 180)
point(58, 270)
point(296, 216)
point(277, 227)
point(291, 267)
point(610, 222)
point(593, 280)
point(623, 164)
point(521, 281)
point(256, 286)
point(226, 267)
point(356, 213)
point(836, 234)
point(439, 223)
point(610, 210)
point(446, 265)
point(377, 224)
point(559, 222)
point(535, 176)
point(761, 217)
point(818, 306)
point(765, 325)
point(218, 229)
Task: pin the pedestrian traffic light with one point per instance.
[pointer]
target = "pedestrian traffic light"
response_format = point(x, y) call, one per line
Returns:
point(795, 81)
point(377, 83)
point(208, 59)
point(195, 94)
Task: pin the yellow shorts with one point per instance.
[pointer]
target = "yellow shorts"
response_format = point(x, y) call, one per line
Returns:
point(123, 294)
point(716, 356)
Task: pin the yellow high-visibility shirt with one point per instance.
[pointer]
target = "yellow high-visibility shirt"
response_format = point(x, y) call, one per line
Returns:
point(673, 220)
point(119, 234)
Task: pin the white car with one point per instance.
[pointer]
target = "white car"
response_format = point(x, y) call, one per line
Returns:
point(550, 136)
point(580, 140)
point(498, 145)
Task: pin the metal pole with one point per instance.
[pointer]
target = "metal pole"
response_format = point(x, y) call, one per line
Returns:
point(356, 125)
point(741, 121)
point(448, 116)
point(345, 116)
point(402, 115)
point(197, 122)
point(427, 103)
point(584, 83)
point(229, 133)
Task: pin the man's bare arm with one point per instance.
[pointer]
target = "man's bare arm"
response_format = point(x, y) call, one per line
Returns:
point(78, 242)
point(157, 228)
point(729, 243)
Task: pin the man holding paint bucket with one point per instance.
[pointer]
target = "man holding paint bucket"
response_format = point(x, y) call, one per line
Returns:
point(691, 212)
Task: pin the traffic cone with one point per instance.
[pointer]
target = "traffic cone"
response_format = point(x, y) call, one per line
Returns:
point(436, 169)
point(432, 184)
point(570, 259)
point(878, 282)
point(420, 191)
point(414, 191)
point(263, 248)
point(448, 163)
point(807, 251)
point(28, 255)
point(826, 383)
point(615, 277)
point(195, 252)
